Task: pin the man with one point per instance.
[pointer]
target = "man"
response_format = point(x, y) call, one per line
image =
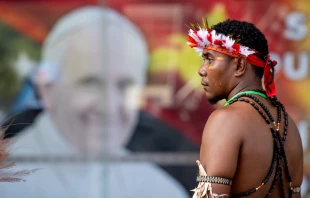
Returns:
point(94, 63)
point(250, 147)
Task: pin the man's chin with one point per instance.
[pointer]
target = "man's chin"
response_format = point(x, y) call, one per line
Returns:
point(212, 98)
point(213, 101)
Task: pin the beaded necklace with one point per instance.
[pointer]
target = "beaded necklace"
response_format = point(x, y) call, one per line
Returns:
point(278, 141)
point(245, 92)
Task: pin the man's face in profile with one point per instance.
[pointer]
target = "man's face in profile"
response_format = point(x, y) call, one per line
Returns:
point(89, 100)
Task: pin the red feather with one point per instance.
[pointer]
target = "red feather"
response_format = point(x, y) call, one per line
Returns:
point(218, 42)
point(236, 47)
point(193, 45)
point(209, 37)
point(190, 39)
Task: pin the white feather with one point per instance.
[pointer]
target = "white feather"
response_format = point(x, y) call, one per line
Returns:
point(229, 42)
point(203, 34)
point(246, 51)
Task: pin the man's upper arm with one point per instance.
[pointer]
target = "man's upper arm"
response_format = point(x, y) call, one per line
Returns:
point(220, 147)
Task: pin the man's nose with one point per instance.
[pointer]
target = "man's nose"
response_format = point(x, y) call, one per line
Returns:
point(202, 71)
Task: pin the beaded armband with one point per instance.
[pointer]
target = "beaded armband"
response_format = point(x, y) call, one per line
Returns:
point(296, 190)
point(204, 188)
point(216, 180)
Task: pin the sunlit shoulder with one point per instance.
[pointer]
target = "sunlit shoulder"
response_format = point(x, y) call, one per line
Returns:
point(222, 139)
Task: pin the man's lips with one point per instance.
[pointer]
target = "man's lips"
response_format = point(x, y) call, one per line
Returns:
point(204, 84)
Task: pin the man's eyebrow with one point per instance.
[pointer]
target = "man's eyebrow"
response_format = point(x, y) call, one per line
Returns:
point(206, 54)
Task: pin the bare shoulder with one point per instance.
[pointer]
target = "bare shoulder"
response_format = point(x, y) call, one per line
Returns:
point(221, 141)
point(230, 120)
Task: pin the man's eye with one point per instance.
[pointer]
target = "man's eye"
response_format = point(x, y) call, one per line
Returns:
point(209, 60)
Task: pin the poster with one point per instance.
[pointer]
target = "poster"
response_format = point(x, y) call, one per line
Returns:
point(172, 100)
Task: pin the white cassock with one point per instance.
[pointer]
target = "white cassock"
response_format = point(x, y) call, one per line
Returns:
point(82, 180)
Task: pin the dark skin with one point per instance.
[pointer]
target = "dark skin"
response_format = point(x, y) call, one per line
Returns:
point(237, 142)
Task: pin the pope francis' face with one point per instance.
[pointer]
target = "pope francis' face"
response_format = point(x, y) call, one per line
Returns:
point(93, 103)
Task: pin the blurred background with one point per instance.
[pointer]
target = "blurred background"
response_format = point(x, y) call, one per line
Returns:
point(110, 88)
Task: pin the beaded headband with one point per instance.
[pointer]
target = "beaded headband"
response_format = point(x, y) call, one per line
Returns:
point(200, 38)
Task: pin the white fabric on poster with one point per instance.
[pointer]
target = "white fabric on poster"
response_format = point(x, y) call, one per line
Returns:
point(82, 180)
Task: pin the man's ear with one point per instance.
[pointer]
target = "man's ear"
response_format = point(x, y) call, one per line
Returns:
point(240, 66)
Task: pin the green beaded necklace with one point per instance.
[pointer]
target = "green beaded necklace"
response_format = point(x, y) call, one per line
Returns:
point(245, 92)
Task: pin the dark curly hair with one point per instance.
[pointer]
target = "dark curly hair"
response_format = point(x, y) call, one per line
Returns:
point(248, 35)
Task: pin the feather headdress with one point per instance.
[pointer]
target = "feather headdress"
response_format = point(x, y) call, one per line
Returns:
point(203, 37)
